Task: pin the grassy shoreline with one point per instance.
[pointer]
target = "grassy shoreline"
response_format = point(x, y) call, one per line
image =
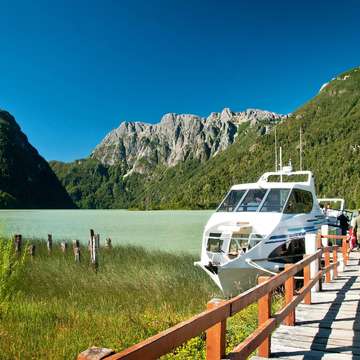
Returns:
point(61, 308)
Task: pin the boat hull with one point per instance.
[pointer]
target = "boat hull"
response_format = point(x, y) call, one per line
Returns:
point(232, 281)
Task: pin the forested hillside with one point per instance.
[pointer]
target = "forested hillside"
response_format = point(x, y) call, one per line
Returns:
point(330, 124)
point(26, 179)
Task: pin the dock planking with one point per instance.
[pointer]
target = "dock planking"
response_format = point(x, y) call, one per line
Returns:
point(329, 328)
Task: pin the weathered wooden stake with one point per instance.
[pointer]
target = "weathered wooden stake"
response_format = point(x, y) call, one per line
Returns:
point(264, 314)
point(289, 294)
point(93, 250)
point(215, 336)
point(49, 243)
point(92, 234)
point(108, 243)
point(18, 243)
point(95, 353)
point(32, 250)
point(97, 241)
point(63, 246)
point(76, 249)
point(77, 254)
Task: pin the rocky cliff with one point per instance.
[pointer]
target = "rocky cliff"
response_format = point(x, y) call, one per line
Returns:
point(177, 138)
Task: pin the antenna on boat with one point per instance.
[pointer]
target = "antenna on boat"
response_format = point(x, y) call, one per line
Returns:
point(276, 159)
point(301, 159)
point(280, 163)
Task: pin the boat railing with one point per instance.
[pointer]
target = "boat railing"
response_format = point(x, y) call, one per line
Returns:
point(213, 320)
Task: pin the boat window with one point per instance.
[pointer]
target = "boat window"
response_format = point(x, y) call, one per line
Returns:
point(231, 200)
point(275, 200)
point(300, 201)
point(214, 245)
point(252, 200)
point(238, 245)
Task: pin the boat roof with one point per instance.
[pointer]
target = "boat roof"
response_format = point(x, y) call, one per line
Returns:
point(264, 183)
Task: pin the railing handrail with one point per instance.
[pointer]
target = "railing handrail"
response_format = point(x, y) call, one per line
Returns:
point(165, 341)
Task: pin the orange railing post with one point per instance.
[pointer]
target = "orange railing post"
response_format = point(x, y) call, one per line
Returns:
point(289, 294)
point(307, 298)
point(264, 313)
point(344, 251)
point(318, 241)
point(335, 270)
point(327, 263)
point(215, 336)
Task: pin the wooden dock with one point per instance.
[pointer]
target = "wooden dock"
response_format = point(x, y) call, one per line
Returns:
point(329, 328)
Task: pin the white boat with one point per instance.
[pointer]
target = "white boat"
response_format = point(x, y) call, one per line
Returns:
point(258, 228)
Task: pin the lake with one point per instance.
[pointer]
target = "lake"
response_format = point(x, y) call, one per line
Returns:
point(179, 230)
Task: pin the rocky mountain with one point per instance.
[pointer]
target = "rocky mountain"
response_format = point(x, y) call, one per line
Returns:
point(137, 154)
point(195, 171)
point(178, 138)
point(26, 179)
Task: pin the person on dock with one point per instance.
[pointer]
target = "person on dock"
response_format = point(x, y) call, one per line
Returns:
point(356, 229)
point(343, 223)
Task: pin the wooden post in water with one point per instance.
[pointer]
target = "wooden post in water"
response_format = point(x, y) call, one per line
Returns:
point(108, 243)
point(63, 246)
point(18, 243)
point(49, 243)
point(215, 336)
point(264, 314)
point(289, 294)
point(32, 250)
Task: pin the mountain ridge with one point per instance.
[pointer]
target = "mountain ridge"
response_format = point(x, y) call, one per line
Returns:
point(177, 138)
point(26, 179)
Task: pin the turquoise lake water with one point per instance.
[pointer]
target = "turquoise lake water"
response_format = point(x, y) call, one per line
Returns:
point(167, 230)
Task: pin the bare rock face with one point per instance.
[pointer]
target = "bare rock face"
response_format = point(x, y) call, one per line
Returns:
point(178, 137)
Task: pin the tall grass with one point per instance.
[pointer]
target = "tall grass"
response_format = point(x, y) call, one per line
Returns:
point(10, 268)
point(62, 308)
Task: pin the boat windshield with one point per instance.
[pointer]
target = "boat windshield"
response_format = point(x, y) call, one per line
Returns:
point(275, 200)
point(231, 200)
point(252, 200)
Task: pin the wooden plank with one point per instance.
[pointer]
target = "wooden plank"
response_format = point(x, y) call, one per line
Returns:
point(346, 335)
point(295, 353)
point(318, 343)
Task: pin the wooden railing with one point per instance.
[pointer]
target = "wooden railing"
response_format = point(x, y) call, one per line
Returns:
point(213, 320)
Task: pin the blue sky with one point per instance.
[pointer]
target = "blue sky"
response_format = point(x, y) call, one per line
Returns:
point(73, 70)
